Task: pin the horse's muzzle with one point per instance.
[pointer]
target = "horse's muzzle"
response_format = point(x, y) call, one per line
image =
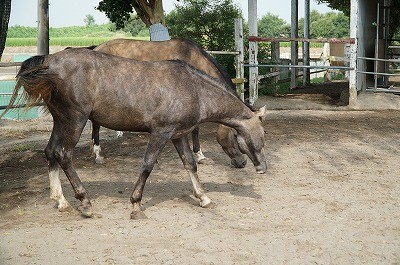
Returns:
point(261, 168)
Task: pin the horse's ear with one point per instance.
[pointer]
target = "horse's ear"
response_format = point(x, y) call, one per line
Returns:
point(262, 112)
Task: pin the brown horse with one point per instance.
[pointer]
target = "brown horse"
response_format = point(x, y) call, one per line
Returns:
point(129, 95)
point(175, 49)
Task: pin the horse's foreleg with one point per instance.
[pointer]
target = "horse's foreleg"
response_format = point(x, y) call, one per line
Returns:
point(154, 147)
point(196, 146)
point(95, 146)
point(182, 146)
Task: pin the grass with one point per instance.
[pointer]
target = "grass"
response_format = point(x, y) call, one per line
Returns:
point(64, 41)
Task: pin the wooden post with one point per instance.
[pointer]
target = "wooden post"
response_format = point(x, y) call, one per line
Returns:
point(306, 45)
point(294, 45)
point(43, 27)
point(353, 51)
point(253, 50)
point(239, 58)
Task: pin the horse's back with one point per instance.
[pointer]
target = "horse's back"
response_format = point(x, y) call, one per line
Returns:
point(175, 49)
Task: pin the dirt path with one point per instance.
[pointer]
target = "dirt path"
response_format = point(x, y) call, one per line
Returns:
point(331, 196)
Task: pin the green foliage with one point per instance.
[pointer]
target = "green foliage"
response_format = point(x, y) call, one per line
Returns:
point(22, 32)
point(89, 20)
point(136, 27)
point(209, 23)
point(342, 5)
point(273, 26)
point(330, 25)
point(105, 30)
point(118, 11)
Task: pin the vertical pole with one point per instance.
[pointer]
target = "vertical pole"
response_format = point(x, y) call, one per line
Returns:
point(354, 9)
point(294, 45)
point(386, 11)
point(376, 63)
point(276, 59)
point(239, 58)
point(253, 49)
point(43, 27)
point(306, 45)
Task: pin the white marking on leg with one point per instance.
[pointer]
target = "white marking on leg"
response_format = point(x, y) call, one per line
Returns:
point(97, 157)
point(119, 134)
point(56, 192)
point(199, 156)
point(198, 190)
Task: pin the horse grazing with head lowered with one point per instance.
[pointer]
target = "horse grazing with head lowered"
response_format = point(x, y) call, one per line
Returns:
point(175, 49)
point(167, 99)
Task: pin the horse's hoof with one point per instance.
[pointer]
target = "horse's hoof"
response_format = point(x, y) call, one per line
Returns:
point(64, 209)
point(211, 205)
point(99, 160)
point(86, 211)
point(138, 215)
point(205, 202)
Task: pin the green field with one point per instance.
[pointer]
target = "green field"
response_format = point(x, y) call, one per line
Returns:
point(65, 41)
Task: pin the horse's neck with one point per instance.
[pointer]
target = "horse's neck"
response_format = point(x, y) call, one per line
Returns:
point(227, 110)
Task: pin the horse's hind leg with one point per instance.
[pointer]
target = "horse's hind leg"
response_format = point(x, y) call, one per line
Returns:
point(196, 146)
point(56, 192)
point(95, 146)
point(59, 148)
point(182, 146)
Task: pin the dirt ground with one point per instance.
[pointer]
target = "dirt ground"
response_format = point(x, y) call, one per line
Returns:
point(331, 194)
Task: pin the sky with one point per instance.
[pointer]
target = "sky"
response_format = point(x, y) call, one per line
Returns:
point(65, 13)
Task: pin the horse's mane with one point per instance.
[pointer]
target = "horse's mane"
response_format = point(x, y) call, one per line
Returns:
point(210, 79)
point(222, 70)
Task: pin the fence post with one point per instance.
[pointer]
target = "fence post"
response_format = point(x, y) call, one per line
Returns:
point(354, 5)
point(276, 59)
point(294, 45)
point(306, 44)
point(43, 27)
point(253, 49)
point(239, 58)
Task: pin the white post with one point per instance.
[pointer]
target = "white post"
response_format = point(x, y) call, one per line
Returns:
point(239, 59)
point(306, 45)
point(253, 49)
point(294, 45)
point(353, 51)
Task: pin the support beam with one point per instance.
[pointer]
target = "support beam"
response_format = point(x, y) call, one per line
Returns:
point(354, 13)
point(253, 50)
point(43, 27)
point(294, 45)
point(306, 45)
point(239, 59)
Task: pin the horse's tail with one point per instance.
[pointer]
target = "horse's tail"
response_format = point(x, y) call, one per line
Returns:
point(37, 83)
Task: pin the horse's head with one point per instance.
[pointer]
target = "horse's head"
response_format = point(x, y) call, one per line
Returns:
point(227, 138)
point(251, 140)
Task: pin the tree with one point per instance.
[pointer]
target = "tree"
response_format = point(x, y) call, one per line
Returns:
point(273, 26)
point(5, 10)
point(135, 26)
point(344, 6)
point(89, 20)
point(119, 11)
point(328, 25)
point(209, 23)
